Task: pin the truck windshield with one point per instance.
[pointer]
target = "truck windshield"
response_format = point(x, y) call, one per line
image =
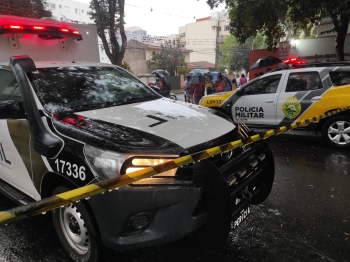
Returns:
point(71, 89)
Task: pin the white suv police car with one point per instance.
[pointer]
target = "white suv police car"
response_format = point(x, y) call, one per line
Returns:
point(64, 125)
point(283, 97)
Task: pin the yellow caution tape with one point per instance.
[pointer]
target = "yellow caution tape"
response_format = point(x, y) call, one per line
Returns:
point(56, 201)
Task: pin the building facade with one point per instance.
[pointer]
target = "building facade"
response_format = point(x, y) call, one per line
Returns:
point(204, 36)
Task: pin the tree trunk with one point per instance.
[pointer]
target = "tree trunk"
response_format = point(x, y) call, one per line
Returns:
point(341, 30)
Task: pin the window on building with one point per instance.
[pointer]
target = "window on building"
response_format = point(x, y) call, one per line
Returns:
point(182, 35)
point(77, 11)
point(66, 8)
point(226, 27)
point(53, 6)
point(59, 6)
point(82, 11)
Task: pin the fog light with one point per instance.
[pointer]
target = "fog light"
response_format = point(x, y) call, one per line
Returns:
point(140, 221)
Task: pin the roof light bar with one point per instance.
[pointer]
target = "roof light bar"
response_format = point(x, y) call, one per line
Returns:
point(46, 32)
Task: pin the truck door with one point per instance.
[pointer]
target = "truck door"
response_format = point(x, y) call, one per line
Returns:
point(301, 97)
point(257, 103)
point(15, 162)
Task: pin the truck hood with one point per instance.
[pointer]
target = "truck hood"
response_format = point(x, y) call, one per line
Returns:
point(163, 121)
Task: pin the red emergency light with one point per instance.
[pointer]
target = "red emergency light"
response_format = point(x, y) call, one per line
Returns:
point(18, 27)
point(44, 32)
point(294, 61)
point(36, 27)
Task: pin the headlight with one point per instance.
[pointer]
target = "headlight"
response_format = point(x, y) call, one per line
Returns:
point(107, 164)
point(137, 162)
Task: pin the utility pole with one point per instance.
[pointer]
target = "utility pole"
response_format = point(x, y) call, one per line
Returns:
point(217, 44)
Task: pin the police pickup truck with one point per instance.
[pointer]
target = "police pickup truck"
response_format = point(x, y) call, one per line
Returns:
point(283, 97)
point(65, 123)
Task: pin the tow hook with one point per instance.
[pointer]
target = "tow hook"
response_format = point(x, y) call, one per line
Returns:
point(246, 194)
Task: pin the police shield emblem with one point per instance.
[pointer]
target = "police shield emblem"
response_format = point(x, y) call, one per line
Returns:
point(291, 108)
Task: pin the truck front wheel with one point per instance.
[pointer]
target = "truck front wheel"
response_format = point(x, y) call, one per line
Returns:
point(336, 131)
point(77, 230)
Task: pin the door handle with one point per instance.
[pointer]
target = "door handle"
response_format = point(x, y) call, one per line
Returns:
point(269, 101)
point(316, 98)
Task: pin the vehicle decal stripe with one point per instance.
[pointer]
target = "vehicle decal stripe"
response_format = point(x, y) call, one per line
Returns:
point(78, 194)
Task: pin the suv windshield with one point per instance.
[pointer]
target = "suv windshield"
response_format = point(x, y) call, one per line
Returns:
point(69, 89)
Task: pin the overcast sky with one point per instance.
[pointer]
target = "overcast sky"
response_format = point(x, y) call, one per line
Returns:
point(166, 16)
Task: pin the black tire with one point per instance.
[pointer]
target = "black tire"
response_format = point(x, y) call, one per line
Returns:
point(173, 97)
point(77, 230)
point(336, 131)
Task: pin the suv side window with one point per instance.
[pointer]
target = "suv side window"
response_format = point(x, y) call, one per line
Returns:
point(9, 89)
point(266, 85)
point(304, 81)
point(340, 78)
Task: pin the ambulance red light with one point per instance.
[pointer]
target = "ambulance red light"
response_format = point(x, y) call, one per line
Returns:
point(35, 27)
point(76, 32)
point(17, 27)
point(65, 30)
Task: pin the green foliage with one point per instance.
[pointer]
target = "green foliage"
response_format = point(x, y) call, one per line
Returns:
point(303, 13)
point(183, 70)
point(26, 8)
point(108, 15)
point(235, 56)
point(126, 66)
point(169, 58)
point(279, 18)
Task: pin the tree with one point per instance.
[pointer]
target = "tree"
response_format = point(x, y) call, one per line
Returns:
point(109, 18)
point(26, 8)
point(303, 12)
point(274, 18)
point(235, 56)
point(169, 58)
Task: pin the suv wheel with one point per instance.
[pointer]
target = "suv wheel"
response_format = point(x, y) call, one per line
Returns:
point(77, 230)
point(336, 131)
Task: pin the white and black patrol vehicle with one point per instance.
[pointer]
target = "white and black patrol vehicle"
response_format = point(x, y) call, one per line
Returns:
point(65, 123)
point(290, 95)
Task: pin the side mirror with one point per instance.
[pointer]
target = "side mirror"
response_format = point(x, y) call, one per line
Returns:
point(11, 109)
point(239, 92)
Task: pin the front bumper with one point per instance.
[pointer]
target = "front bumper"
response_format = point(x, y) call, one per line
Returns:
point(170, 208)
point(179, 207)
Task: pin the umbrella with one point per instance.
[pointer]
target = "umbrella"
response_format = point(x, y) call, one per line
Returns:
point(188, 75)
point(265, 61)
point(197, 71)
point(209, 75)
point(161, 71)
point(197, 78)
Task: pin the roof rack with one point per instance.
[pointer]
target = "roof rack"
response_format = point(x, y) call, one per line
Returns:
point(329, 64)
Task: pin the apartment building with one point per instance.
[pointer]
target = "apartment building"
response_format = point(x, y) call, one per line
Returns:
point(204, 35)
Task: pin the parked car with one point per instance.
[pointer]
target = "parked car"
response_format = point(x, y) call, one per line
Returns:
point(288, 95)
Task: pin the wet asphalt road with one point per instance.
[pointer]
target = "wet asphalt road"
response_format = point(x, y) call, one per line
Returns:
point(306, 217)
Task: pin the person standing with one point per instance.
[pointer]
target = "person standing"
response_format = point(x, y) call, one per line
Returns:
point(242, 80)
point(197, 92)
point(234, 84)
point(188, 91)
point(220, 84)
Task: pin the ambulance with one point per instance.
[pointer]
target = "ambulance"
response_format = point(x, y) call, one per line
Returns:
point(67, 121)
point(292, 94)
